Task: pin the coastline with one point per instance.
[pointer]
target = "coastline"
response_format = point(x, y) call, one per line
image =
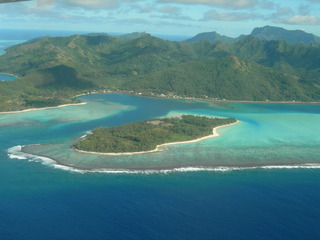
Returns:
point(207, 100)
point(44, 108)
point(55, 163)
point(219, 100)
point(159, 148)
point(10, 74)
point(151, 95)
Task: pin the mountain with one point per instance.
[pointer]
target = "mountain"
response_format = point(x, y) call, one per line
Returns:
point(263, 33)
point(131, 36)
point(291, 36)
point(54, 69)
point(225, 78)
point(210, 36)
point(299, 60)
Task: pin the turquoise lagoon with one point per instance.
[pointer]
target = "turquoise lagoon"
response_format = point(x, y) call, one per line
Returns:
point(268, 135)
point(7, 77)
point(259, 180)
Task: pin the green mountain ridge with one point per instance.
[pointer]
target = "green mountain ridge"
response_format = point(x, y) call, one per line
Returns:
point(291, 36)
point(56, 69)
point(225, 78)
point(212, 37)
point(262, 33)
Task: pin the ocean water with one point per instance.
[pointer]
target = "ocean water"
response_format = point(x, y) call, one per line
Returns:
point(259, 180)
point(7, 77)
point(4, 44)
point(268, 136)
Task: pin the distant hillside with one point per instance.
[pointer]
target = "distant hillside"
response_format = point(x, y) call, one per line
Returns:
point(131, 36)
point(210, 36)
point(53, 70)
point(299, 60)
point(226, 78)
point(264, 33)
point(291, 36)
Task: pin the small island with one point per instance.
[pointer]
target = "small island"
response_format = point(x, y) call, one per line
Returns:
point(148, 136)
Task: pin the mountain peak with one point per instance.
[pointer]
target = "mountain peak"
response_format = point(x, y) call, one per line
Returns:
point(210, 36)
point(291, 36)
point(268, 33)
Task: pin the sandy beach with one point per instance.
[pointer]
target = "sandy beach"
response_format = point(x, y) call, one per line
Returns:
point(36, 109)
point(160, 147)
point(11, 74)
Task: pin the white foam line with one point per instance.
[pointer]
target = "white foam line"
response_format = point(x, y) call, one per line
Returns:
point(16, 152)
point(44, 108)
point(12, 156)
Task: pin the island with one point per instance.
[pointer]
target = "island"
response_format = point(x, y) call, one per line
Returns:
point(148, 136)
point(54, 70)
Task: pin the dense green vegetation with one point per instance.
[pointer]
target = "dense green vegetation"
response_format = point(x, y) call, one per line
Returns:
point(212, 37)
point(146, 135)
point(291, 36)
point(268, 33)
point(227, 78)
point(54, 70)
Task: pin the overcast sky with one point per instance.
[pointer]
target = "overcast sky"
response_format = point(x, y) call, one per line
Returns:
point(171, 17)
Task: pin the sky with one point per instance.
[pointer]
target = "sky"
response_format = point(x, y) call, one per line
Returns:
point(166, 17)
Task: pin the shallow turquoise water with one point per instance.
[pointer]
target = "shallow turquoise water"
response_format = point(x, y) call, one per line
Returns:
point(268, 135)
point(7, 77)
point(40, 202)
point(281, 201)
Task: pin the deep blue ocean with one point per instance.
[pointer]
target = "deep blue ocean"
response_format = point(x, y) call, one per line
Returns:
point(259, 180)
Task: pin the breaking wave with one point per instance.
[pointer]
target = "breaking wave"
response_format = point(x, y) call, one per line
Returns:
point(17, 153)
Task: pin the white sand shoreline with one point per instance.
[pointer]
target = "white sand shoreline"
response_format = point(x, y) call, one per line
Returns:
point(10, 74)
point(159, 148)
point(44, 108)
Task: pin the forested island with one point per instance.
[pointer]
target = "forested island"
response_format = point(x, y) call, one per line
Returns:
point(53, 70)
point(147, 135)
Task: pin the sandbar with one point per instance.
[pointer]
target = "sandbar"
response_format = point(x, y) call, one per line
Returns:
point(44, 108)
point(10, 74)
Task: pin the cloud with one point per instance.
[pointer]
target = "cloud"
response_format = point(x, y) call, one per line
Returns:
point(169, 10)
point(42, 3)
point(86, 4)
point(132, 21)
point(144, 9)
point(304, 10)
point(267, 5)
point(93, 4)
point(282, 12)
point(229, 16)
point(299, 20)
point(235, 4)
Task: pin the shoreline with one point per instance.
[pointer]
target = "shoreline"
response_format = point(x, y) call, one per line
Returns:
point(207, 100)
point(220, 100)
point(10, 74)
point(44, 108)
point(219, 168)
point(193, 98)
point(159, 148)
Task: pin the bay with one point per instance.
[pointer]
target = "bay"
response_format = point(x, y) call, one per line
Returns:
point(268, 136)
point(7, 77)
